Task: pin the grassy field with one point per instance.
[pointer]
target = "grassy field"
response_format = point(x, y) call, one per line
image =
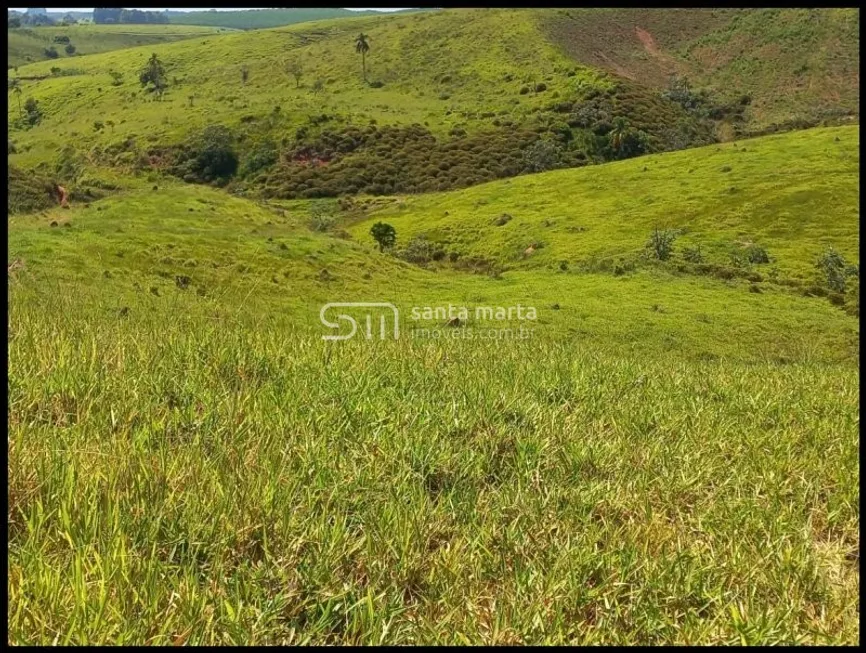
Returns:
point(27, 45)
point(671, 457)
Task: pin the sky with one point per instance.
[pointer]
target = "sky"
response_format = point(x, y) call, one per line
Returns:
point(52, 9)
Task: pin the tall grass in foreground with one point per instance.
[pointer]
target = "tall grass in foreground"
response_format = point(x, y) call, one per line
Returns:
point(179, 480)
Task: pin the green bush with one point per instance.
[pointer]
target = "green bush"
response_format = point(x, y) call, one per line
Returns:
point(836, 270)
point(32, 112)
point(384, 234)
point(693, 254)
point(661, 243)
point(263, 156)
point(419, 250)
point(209, 157)
point(757, 254)
point(321, 217)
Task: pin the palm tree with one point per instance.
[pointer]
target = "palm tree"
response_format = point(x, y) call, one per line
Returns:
point(619, 133)
point(362, 47)
point(15, 87)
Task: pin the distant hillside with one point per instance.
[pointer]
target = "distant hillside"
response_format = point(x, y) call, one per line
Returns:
point(448, 99)
point(28, 45)
point(796, 64)
point(260, 18)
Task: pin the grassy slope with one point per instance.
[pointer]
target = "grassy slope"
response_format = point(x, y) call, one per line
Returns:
point(406, 55)
point(721, 194)
point(202, 468)
point(472, 85)
point(26, 45)
point(796, 63)
point(669, 459)
point(144, 237)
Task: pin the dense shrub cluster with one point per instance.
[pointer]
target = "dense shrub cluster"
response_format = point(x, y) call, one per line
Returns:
point(27, 191)
point(420, 251)
point(209, 157)
point(387, 160)
point(835, 271)
point(328, 158)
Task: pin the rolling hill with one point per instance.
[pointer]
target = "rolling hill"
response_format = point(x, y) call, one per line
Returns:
point(472, 110)
point(664, 450)
point(178, 428)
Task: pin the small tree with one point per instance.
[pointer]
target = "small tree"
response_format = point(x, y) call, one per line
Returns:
point(51, 52)
point(318, 86)
point(34, 113)
point(116, 78)
point(362, 47)
point(661, 243)
point(245, 74)
point(70, 49)
point(154, 74)
point(836, 270)
point(384, 234)
point(294, 68)
point(15, 87)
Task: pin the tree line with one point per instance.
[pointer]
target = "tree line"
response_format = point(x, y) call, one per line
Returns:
point(103, 16)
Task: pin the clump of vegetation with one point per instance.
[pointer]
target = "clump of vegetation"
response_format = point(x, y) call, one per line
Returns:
point(262, 156)
point(153, 76)
point(693, 254)
point(32, 112)
point(384, 234)
point(296, 70)
point(51, 52)
point(626, 141)
point(28, 191)
point(69, 164)
point(757, 254)
point(322, 217)
point(209, 157)
point(835, 270)
point(542, 155)
point(661, 243)
point(419, 250)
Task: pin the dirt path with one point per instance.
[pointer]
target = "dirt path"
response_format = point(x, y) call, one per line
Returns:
point(648, 41)
point(64, 196)
point(649, 44)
